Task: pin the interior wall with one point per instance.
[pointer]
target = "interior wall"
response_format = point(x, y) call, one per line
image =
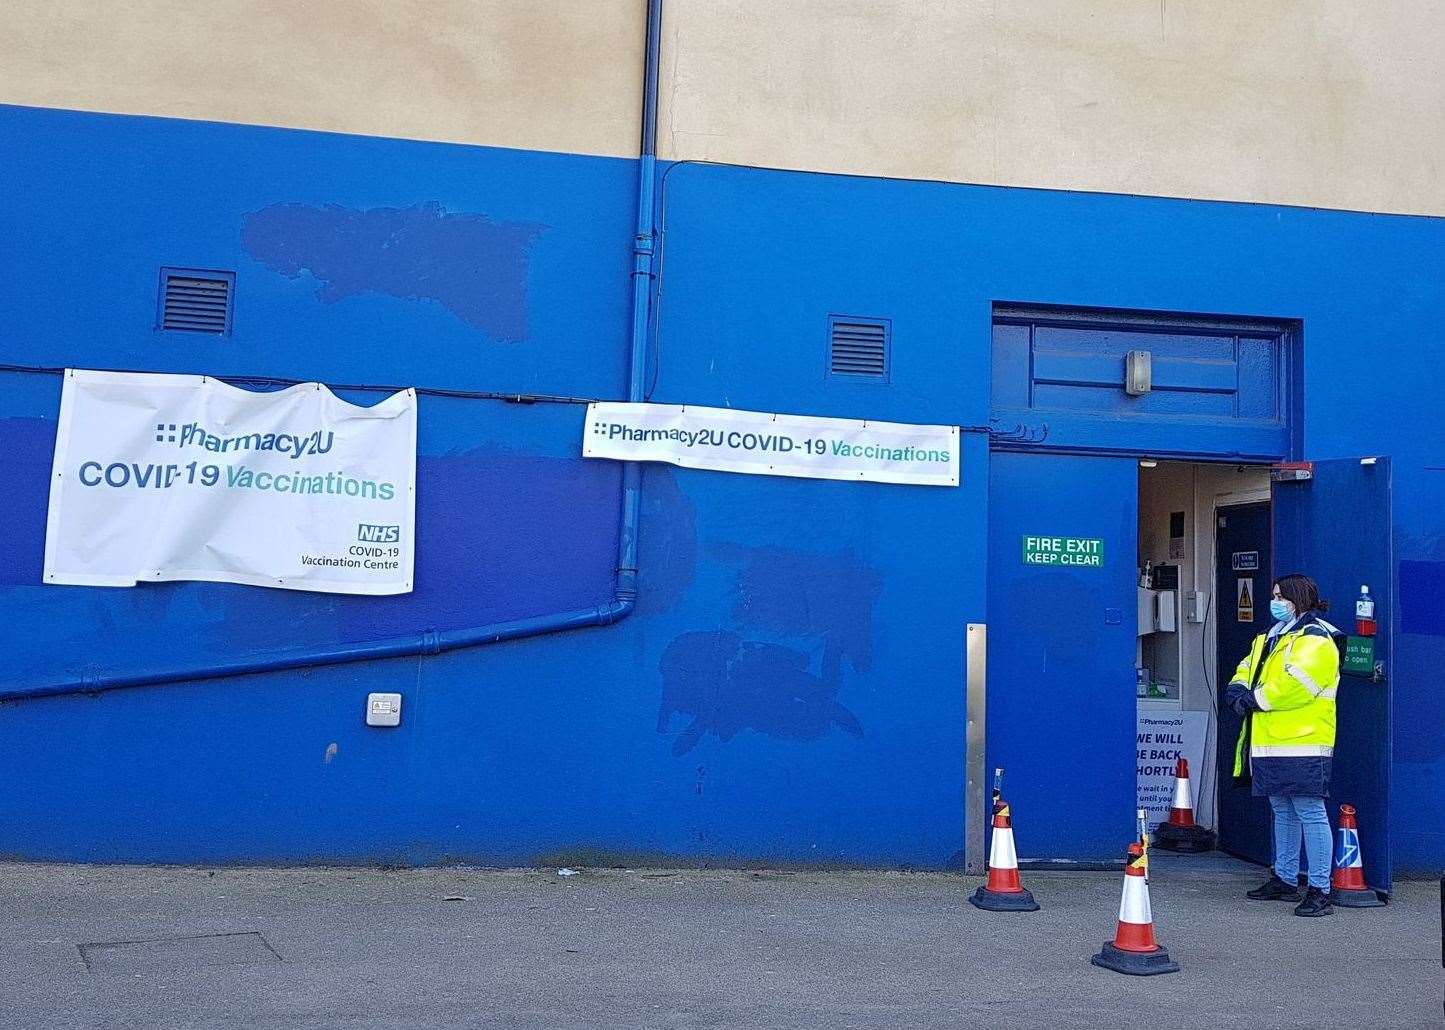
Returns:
point(1195, 489)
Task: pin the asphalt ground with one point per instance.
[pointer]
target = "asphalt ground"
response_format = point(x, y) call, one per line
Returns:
point(124, 946)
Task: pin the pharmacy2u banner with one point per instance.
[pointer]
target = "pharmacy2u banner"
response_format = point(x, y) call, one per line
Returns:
point(185, 477)
point(761, 443)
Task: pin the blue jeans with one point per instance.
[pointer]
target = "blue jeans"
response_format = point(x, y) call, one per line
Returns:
point(1295, 817)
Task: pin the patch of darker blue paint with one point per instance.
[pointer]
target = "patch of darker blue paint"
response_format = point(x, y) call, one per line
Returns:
point(499, 537)
point(727, 684)
point(474, 266)
point(828, 596)
point(28, 445)
point(1422, 597)
point(667, 545)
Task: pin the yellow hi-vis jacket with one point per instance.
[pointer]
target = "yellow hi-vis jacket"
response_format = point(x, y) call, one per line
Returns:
point(1288, 707)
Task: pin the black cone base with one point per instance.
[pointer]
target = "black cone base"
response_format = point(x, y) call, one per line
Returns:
point(1355, 899)
point(1003, 901)
point(1135, 963)
point(1188, 839)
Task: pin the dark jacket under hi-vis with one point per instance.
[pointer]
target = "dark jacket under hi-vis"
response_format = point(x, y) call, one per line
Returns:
point(1285, 689)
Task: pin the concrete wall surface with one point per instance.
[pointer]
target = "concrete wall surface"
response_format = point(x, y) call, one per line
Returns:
point(560, 75)
point(1328, 104)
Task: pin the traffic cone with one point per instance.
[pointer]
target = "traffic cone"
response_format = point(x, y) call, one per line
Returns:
point(1179, 832)
point(1134, 950)
point(1003, 892)
point(1347, 882)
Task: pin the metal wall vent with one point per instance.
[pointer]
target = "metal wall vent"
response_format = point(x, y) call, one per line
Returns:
point(858, 347)
point(195, 301)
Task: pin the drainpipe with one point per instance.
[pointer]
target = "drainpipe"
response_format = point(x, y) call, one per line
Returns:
point(431, 641)
point(643, 243)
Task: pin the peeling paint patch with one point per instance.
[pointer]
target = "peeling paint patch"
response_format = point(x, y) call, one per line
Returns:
point(727, 684)
point(828, 596)
point(331, 750)
point(668, 559)
point(29, 448)
point(473, 266)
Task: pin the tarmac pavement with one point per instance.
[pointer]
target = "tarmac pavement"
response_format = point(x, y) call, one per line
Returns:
point(125, 946)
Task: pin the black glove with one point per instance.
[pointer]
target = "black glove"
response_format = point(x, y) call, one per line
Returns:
point(1240, 699)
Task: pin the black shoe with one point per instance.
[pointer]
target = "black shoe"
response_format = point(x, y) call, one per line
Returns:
point(1316, 903)
point(1275, 889)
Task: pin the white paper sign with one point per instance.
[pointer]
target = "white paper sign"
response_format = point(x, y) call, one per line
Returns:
point(765, 444)
point(1164, 737)
point(182, 477)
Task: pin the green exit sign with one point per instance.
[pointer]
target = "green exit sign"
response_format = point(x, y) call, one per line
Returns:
point(1073, 551)
point(1359, 656)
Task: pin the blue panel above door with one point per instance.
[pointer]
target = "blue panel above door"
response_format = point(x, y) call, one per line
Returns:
point(1220, 388)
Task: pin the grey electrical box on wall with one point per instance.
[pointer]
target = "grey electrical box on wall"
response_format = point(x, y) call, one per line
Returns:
point(1138, 372)
point(383, 709)
point(1194, 606)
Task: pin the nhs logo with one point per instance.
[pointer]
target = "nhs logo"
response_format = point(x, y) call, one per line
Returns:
point(378, 534)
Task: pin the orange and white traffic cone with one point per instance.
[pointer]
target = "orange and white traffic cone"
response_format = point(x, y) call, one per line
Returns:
point(1134, 949)
point(1003, 892)
point(1180, 832)
point(1347, 882)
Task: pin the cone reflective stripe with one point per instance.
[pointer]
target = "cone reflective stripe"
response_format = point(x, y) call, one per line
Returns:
point(1347, 882)
point(1003, 859)
point(1349, 866)
point(1134, 949)
point(1179, 832)
point(1182, 812)
point(1136, 919)
point(1003, 892)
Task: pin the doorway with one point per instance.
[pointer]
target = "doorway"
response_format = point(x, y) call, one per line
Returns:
point(1197, 616)
point(1102, 667)
point(1101, 613)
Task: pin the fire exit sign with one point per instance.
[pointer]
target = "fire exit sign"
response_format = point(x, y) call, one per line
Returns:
point(1063, 550)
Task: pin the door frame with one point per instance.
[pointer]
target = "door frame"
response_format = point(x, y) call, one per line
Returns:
point(1226, 499)
point(1030, 435)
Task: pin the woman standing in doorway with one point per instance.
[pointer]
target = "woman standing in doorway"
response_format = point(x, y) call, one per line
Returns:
point(1285, 689)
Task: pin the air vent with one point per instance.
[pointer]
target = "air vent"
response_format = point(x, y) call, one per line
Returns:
point(194, 301)
point(858, 347)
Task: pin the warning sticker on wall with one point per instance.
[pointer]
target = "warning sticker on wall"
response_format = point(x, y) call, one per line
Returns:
point(1244, 601)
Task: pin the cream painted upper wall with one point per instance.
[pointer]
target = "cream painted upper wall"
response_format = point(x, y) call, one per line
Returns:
point(1335, 103)
point(546, 74)
point(1332, 103)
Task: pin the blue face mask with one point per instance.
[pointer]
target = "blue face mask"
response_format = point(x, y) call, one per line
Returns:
point(1282, 610)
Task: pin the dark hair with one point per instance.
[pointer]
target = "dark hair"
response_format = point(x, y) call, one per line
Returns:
point(1301, 591)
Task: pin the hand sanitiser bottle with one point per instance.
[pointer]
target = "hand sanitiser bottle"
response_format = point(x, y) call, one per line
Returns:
point(1365, 613)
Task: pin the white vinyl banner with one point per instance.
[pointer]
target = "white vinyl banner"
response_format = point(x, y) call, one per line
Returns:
point(765, 444)
point(172, 477)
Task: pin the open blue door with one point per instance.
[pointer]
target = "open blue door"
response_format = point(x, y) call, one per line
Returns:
point(1336, 527)
point(1062, 607)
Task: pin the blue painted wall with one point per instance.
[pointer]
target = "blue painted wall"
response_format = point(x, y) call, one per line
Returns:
point(791, 685)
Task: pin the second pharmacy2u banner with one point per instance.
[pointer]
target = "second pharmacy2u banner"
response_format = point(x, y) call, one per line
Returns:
point(767, 444)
